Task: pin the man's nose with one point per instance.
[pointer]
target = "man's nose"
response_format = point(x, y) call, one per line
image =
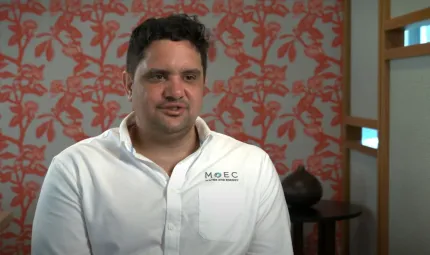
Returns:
point(174, 88)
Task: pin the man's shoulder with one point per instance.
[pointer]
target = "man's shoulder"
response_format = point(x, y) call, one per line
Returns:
point(250, 161)
point(228, 143)
point(88, 147)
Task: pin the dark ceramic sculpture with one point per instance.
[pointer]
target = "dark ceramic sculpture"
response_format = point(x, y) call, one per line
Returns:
point(301, 188)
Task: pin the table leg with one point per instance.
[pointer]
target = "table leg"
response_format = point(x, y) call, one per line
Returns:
point(298, 238)
point(327, 238)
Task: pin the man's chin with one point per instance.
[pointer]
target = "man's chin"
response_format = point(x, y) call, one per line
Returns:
point(174, 126)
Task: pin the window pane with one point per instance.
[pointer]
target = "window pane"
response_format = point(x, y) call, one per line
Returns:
point(406, 37)
point(417, 33)
point(424, 34)
point(369, 137)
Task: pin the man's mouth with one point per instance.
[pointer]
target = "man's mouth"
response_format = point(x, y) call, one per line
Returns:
point(173, 110)
point(173, 105)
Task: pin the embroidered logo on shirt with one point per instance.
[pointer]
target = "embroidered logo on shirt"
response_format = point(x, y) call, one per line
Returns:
point(221, 176)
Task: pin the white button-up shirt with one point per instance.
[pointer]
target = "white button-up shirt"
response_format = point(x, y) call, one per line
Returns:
point(100, 197)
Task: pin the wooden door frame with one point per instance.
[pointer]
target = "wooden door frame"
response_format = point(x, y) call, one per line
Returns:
point(352, 126)
point(391, 46)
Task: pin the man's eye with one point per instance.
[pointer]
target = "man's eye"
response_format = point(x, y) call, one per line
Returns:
point(190, 77)
point(156, 77)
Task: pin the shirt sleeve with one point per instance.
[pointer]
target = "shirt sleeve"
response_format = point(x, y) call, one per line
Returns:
point(272, 233)
point(58, 225)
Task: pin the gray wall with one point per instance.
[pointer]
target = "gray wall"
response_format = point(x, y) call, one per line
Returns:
point(409, 208)
point(402, 7)
point(363, 231)
point(409, 222)
point(364, 58)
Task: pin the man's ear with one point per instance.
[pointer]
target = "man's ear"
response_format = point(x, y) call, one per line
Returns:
point(127, 82)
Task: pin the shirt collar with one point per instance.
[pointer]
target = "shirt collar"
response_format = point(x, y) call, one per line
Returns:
point(203, 130)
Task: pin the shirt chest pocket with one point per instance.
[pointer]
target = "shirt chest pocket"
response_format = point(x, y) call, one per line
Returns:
point(221, 212)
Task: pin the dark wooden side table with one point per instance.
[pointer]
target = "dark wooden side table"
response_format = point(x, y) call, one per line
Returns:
point(325, 213)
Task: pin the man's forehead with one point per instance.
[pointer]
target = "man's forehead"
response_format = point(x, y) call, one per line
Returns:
point(172, 56)
point(146, 66)
point(173, 71)
point(166, 49)
point(171, 65)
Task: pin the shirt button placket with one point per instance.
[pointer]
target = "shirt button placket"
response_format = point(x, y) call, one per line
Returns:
point(173, 216)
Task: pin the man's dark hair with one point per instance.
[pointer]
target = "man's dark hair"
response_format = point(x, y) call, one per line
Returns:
point(176, 27)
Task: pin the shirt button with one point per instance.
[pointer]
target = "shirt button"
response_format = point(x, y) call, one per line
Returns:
point(171, 227)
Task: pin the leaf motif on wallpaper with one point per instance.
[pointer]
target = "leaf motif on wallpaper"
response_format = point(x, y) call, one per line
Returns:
point(336, 119)
point(312, 130)
point(17, 116)
point(45, 48)
point(277, 9)
point(225, 103)
point(212, 52)
point(6, 75)
point(46, 128)
point(337, 41)
point(322, 145)
point(218, 87)
point(122, 49)
point(87, 75)
point(4, 96)
point(281, 168)
point(7, 155)
point(5, 177)
point(75, 131)
point(305, 103)
point(117, 7)
point(277, 89)
point(199, 9)
point(290, 48)
point(287, 127)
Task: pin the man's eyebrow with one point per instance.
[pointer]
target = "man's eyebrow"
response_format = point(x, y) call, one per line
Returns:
point(164, 71)
point(192, 71)
point(157, 70)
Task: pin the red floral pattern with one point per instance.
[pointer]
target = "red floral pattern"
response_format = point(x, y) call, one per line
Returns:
point(277, 66)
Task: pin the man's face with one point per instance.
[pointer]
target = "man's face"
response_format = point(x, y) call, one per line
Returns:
point(167, 88)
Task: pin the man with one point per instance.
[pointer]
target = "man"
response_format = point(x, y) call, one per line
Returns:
point(163, 182)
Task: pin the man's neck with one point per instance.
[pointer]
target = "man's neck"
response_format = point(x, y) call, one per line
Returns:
point(165, 150)
point(167, 144)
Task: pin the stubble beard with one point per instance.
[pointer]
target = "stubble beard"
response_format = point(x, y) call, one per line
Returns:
point(163, 126)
